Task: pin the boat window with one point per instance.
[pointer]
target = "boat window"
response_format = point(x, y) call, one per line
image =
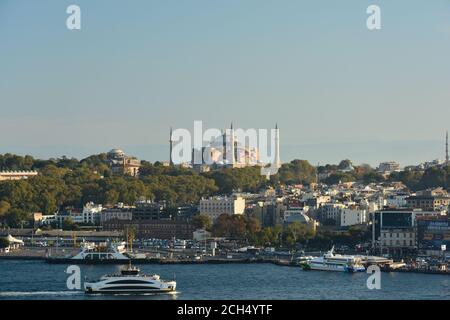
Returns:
point(129, 281)
point(128, 288)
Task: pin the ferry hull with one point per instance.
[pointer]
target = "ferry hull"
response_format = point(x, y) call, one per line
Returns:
point(103, 287)
point(133, 291)
point(87, 261)
point(338, 268)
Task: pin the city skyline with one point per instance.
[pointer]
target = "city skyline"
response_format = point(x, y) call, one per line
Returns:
point(336, 152)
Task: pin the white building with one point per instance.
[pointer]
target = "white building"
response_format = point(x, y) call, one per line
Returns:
point(396, 200)
point(388, 167)
point(48, 219)
point(351, 217)
point(92, 213)
point(215, 206)
point(201, 235)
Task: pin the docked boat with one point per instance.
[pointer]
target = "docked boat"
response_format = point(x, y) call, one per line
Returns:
point(335, 262)
point(129, 281)
point(91, 254)
point(110, 251)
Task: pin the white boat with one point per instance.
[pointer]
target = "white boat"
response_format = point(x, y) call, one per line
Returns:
point(110, 251)
point(179, 245)
point(130, 280)
point(335, 262)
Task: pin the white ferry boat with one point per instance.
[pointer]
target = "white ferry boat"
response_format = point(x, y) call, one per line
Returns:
point(108, 251)
point(335, 262)
point(130, 280)
point(91, 253)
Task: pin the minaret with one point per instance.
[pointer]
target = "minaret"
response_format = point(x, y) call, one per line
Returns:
point(277, 146)
point(224, 146)
point(447, 159)
point(232, 151)
point(170, 147)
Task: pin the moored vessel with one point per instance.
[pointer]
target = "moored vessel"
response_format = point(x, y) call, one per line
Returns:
point(335, 262)
point(91, 254)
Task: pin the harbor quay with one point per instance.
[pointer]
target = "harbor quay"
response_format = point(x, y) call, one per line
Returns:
point(245, 255)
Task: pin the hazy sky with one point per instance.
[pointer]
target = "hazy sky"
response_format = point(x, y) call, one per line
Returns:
point(336, 89)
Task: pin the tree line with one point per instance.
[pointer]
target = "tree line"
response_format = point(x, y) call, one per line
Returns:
point(68, 182)
point(248, 229)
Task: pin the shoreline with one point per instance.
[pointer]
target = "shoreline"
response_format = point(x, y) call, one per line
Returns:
point(282, 263)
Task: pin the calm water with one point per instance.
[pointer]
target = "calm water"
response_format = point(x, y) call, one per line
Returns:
point(38, 280)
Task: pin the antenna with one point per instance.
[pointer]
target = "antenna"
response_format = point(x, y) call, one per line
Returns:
point(447, 159)
point(170, 147)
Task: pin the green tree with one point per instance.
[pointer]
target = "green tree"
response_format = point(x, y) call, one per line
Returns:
point(230, 226)
point(411, 179)
point(69, 224)
point(202, 221)
point(434, 177)
point(297, 232)
point(4, 208)
point(345, 164)
point(253, 227)
point(372, 177)
point(16, 218)
point(295, 172)
point(4, 243)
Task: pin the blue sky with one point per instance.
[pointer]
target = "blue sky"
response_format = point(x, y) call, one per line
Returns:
point(336, 89)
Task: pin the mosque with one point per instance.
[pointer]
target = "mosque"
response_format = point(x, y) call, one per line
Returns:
point(227, 151)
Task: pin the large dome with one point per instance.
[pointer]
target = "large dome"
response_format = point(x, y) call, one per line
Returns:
point(116, 153)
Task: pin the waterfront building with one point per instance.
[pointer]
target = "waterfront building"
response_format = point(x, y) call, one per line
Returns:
point(119, 212)
point(17, 175)
point(397, 224)
point(75, 215)
point(395, 239)
point(201, 235)
point(432, 234)
point(215, 206)
point(147, 210)
point(157, 229)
